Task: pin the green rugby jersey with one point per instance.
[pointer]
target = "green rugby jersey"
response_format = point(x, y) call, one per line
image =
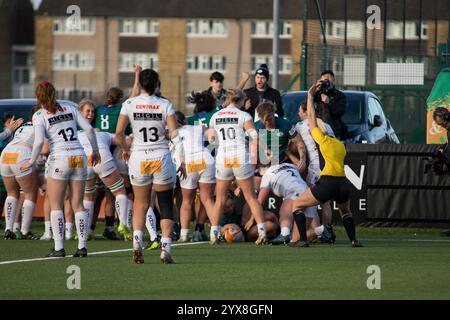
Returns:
point(283, 132)
point(106, 118)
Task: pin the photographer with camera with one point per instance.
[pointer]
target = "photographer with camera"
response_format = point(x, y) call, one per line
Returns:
point(331, 103)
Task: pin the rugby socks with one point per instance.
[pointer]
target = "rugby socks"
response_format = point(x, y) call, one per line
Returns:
point(109, 222)
point(166, 244)
point(137, 239)
point(48, 228)
point(261, 229)
point(81, 218)
point(122, 208)
point(57, 220)
point(214, 232)
point(319, 230)
point(349, 225)
point(150, 223)
point(184, 232)
point(285, 231)
point(199, 227)
point(27, 216)
point(89, 205)
point(300, 221)
point(69, 230)
point(10, 212)
point(130, 215)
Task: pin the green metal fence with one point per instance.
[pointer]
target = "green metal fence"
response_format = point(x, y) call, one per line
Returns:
point(404, 105)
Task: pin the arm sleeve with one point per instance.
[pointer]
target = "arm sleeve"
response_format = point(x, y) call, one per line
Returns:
point(318, 136)
point(279, 104)
point(39, 136)
point(5, 134)
point(124, 110)
point(264, 182)
point(90, 133)
point(170, 110)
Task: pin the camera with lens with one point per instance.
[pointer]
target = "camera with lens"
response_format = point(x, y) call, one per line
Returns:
point(325, 86)
point(436, 163)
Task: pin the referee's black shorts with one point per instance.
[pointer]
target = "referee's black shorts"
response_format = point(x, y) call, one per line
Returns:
point(332, 188)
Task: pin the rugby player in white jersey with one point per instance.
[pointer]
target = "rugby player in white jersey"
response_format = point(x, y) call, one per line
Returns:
point(196, 170)
point(284, 181)
point(150, 162)
point(235, 160)
point(12, 158)
point(316, 162)
point(106, 170)
point(66, 165)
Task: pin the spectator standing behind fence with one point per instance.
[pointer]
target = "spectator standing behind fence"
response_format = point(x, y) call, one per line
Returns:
point(262, 92)
point(331, 103)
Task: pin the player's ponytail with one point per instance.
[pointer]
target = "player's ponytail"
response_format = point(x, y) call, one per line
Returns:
point(235, 96)
point(46, 97)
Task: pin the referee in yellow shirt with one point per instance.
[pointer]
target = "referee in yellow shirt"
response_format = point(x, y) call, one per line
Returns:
point(332, 185)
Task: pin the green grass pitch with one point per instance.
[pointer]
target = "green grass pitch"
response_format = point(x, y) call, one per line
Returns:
point(414, 264)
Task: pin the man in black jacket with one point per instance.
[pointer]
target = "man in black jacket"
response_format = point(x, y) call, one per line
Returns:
point(262, 92)
point(331, 104)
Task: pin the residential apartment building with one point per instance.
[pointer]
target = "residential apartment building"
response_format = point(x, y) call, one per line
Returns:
point(16, 49)
point(185, 41)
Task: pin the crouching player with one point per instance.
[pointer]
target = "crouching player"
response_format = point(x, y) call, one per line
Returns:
point(332, 185)
point(284, 181)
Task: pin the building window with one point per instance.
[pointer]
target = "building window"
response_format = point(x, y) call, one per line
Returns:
point(207, 28)
point(205, 63)
point(67, 25)
point(80, 61)
point(285, 63)
point(73, 94)
point(395, 30)
point(336, 29)
point(264, 29)
point(145, 60)
point(139, 27)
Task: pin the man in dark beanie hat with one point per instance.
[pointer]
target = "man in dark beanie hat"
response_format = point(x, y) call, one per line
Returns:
point(262, 92)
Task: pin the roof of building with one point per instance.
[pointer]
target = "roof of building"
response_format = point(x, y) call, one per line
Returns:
point(248, 9)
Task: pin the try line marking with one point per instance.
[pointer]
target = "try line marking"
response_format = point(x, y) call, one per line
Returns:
point(92, 253)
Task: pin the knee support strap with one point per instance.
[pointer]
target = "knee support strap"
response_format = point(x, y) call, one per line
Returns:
point(117, 185)
point(165, 202)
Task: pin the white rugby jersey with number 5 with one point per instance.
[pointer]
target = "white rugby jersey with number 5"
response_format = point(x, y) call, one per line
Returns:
point(147, 115)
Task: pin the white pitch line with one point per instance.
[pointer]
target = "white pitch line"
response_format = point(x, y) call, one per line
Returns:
point(92, 253)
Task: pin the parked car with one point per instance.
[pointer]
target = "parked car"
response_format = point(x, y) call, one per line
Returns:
point(21, 108)
point(364, 116)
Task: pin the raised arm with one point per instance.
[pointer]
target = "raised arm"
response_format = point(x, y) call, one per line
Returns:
point(311, 111)
point(244, 78)
point(136, 89)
